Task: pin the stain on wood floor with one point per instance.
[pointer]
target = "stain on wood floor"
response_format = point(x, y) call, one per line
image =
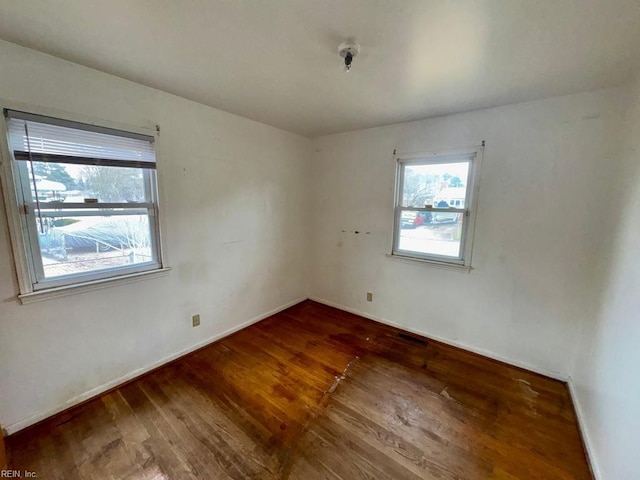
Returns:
point(316, 393)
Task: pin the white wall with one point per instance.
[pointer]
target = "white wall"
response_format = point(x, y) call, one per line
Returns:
point(547, 166)
point(234, 209)
point(605, 375)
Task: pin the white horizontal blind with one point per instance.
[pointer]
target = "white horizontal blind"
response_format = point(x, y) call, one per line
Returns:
point(81, 140)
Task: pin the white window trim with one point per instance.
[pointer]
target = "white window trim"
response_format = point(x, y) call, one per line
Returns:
point(27, 294)
point(50, 293)
point(473, 189)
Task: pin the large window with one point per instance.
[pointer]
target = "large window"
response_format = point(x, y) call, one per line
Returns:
point(86, 199)
point(435, 206)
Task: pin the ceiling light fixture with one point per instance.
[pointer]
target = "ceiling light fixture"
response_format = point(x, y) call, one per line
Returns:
point(348, 51)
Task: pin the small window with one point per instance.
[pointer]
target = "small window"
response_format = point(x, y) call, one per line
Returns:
point(86, 197)
point(435, 207)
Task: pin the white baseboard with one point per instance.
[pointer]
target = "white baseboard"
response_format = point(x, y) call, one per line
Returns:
point(485, 353)
point(94, 392)
point(582, 425)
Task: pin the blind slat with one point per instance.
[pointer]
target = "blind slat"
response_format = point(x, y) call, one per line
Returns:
point(105, 162)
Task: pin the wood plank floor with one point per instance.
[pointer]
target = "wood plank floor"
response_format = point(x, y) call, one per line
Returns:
point(316, 393)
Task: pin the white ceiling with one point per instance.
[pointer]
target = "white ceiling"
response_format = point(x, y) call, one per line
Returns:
point(276, 61)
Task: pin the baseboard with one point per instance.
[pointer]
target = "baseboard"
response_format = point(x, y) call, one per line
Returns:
point(485, 353)
point(584, 432)
point(97, 391)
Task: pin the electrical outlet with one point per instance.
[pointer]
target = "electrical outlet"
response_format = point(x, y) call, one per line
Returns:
point(369, 297)
point(195, 320)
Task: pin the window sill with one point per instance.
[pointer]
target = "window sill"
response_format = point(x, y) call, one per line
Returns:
point(432, 263)
point(48, 294)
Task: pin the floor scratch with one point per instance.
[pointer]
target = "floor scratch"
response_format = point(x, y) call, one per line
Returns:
point(337, 381)
point(445, 394)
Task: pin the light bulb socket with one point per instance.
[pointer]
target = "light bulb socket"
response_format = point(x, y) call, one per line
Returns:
point(348, 51)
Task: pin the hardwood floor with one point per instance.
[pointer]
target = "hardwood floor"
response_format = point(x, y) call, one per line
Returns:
point(316, 393)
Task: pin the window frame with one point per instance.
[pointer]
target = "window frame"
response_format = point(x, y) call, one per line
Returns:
point(471, 154)
point(25, 253)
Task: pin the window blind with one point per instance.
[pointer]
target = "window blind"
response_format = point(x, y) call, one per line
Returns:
point(43, 139)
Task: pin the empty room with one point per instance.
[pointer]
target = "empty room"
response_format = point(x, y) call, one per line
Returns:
point(296, 239)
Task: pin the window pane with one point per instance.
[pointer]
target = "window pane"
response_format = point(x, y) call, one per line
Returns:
point(435, 184)
point(74, 183)
point(431, 233)
point(71, 245)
